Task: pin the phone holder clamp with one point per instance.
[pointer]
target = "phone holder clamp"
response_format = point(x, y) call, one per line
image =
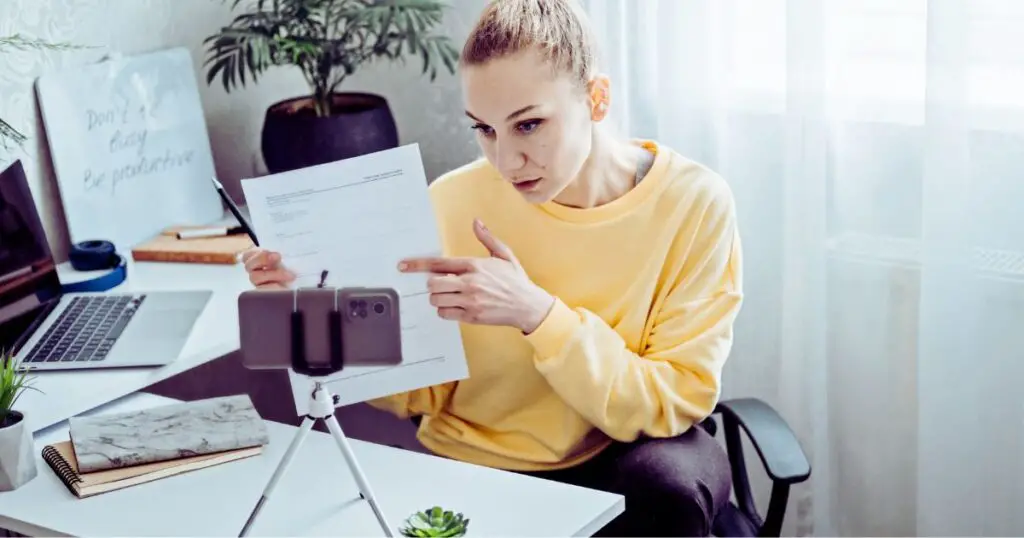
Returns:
point(300, 361)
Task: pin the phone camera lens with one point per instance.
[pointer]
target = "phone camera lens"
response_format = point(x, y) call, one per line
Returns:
point(357, 307)
point(378, 308)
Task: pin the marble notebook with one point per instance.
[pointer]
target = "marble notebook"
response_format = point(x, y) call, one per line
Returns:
point(61, 459)
point(166, 432)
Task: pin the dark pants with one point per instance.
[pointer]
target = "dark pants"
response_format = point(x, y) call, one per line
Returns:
point(673, 487)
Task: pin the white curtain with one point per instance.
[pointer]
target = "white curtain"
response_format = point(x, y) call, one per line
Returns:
point(876, 151)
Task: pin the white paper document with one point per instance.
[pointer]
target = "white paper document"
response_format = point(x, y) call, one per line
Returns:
point(356, 219)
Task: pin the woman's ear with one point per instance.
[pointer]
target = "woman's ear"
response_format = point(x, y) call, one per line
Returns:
point(599, 97)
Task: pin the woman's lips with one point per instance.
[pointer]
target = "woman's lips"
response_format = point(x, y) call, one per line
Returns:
point(524, 186)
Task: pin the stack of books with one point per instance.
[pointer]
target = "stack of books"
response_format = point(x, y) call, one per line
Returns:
point(114, 451)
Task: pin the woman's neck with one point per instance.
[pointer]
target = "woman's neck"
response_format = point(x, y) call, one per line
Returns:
point(608, 174)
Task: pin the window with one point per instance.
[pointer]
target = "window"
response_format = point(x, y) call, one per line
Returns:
point(869, 59)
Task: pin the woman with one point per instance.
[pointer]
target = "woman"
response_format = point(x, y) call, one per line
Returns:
point(596, 281)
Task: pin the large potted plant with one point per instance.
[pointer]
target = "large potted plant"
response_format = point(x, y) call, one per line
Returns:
point(17, 455)
point(327, 41)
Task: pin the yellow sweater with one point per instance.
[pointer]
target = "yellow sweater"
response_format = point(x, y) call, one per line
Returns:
point(647, 288)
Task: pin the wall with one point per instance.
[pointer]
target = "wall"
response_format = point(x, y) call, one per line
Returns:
point(427, 113)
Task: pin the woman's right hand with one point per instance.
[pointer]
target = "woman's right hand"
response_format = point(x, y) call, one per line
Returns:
point(265, 269)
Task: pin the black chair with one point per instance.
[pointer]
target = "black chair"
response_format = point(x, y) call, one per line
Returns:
point(781, 454)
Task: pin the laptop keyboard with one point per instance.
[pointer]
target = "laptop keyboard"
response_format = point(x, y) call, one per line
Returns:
point(86, 329)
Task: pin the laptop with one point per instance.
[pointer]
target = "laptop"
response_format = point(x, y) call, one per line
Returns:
point(48, 329)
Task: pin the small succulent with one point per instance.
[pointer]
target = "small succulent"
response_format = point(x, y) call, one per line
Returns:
point(14, 381)
point(435, 522)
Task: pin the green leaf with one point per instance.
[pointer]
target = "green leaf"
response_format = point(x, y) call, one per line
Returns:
point(419, 523)
point(20, 42)
point(326, 39)
point(14, 381)
point(410, 531)
point(9, 136)
point(455, 531)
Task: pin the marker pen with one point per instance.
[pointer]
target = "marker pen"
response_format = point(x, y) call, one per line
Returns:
point(201, 233)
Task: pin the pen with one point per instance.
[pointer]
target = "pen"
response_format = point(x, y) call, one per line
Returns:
point(200, 233)
point(234, 211)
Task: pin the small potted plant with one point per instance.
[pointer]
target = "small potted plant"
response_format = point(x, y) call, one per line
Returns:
point(17, 453)
point(435, 521)
point(327, 41)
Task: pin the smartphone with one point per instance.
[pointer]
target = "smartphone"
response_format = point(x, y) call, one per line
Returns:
point(371, 332)
point(264, 329)
point(362, 326)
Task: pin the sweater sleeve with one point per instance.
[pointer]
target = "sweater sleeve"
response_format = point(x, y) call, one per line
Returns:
point(422, 401)
point(675, 381)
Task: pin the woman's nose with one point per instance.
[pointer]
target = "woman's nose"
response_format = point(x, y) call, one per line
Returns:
point(510, 156)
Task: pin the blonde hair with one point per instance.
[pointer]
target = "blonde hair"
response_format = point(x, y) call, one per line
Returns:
point(559, 29)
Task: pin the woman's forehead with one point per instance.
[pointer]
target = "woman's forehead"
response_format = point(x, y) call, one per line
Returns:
point(494, 90)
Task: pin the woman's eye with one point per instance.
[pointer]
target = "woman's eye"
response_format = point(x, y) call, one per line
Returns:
point(484, 129)
point(529, 126)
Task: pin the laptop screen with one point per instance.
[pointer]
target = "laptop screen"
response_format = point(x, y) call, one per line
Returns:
point(28, 276)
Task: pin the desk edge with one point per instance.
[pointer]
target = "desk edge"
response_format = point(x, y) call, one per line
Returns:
point(27, 529)
point(181, 365)
point(605, 518)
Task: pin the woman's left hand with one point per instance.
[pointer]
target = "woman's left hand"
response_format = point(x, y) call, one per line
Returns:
point(490, 291)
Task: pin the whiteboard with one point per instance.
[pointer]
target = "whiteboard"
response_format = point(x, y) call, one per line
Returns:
point(129, 146)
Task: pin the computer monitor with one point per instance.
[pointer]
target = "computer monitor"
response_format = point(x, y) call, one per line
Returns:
point(29, 284)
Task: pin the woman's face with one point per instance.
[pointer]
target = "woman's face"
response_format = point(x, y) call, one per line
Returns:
point(533, 125)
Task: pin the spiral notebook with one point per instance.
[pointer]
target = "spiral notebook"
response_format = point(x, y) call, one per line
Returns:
point(61, 458)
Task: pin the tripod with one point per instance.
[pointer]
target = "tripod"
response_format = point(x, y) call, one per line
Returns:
point(321, 407)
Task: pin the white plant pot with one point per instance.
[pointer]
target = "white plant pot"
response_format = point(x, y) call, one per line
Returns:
point(17, 457)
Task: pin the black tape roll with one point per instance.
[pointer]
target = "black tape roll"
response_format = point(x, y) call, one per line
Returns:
point(93, 255)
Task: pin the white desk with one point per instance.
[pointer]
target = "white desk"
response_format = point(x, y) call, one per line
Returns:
point(317, 495)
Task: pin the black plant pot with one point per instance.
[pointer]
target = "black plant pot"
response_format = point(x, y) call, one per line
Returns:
point(295, 137)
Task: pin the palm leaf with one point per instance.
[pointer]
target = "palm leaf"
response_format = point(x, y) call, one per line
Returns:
point(236, 52)
point(328, 40)
point(20, 42)
point(9, 136)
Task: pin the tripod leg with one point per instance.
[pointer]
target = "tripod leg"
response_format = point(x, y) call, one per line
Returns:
point(286, 461)
point(357, 472)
